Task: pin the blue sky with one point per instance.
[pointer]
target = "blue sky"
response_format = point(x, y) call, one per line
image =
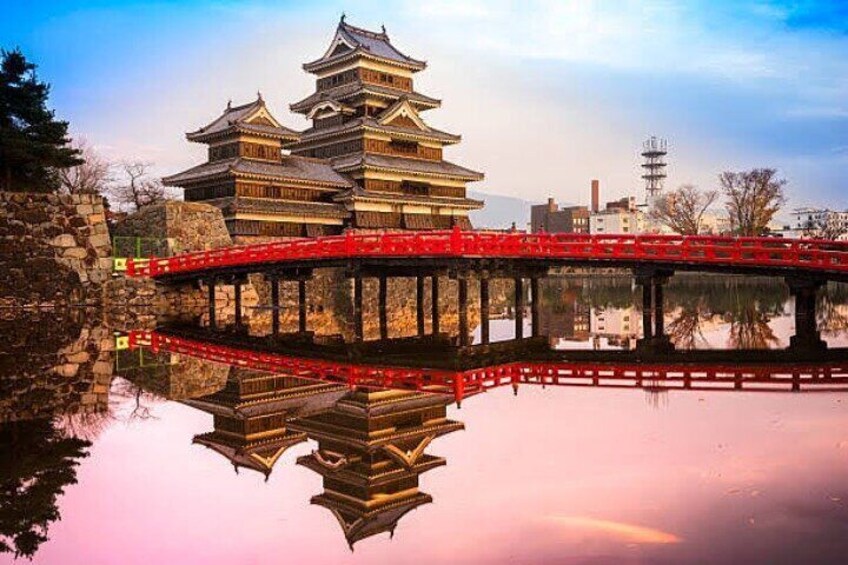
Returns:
point(547, 95)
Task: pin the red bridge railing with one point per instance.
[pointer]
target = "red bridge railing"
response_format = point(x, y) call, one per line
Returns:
point(825, 376)
point(818, 255)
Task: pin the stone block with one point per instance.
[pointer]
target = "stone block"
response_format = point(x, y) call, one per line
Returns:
point(85, 209)
point(78, 357)
point(64, 240)
point(102, 368)
point(99, 240)
point(67, 370)
point(75, 253)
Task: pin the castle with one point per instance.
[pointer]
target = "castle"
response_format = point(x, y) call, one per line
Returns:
point(368, 162)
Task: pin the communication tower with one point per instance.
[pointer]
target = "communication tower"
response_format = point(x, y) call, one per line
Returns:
point(654, 150)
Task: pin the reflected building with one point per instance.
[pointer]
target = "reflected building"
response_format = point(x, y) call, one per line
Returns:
point(620, 326)
point(371, 452)
point(251, 415)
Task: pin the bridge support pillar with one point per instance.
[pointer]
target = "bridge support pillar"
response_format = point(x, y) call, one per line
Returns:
point(274, 280)
point(237, 297)
point(434, 291)
point(519, 307)
point(212, 283)
point(652, 280)
point(358, 332)
point(534, 306)
point(383, 306)
point(301, 305)
point(419, 304)
point(484, 308)
point(807, 337)
point(462, 309)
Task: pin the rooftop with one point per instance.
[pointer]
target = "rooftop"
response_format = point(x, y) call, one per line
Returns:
point(253, 118)
point(290, 167)
point(351, 41)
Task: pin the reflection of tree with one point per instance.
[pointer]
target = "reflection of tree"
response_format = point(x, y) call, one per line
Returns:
point(832, 308)
point(36, 464)
point(685, 331)
point(749, 328)
point(140, 409)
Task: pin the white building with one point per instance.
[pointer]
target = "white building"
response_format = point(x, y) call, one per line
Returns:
point(805, 220)
point(619, 326)
point(620, 217)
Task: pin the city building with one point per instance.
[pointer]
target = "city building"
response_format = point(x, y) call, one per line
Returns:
point(816, 222)
point(619, 217)
point(549, 218)
point(620, 327)
point(369, 160)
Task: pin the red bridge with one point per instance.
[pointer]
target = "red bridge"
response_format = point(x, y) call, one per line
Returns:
point(827, 259)
point(704, 376)
point(804, 264)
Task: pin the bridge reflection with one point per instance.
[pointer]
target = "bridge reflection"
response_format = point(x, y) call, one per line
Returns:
point(374, 410)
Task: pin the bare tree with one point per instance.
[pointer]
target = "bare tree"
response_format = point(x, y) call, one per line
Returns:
point(753, 198)
point(683, 209)
point(830, 226)
point(92, 176)
point(136, 188)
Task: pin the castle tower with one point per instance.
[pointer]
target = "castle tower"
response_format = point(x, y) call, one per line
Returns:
point(262, 192)
point(371, 451)
point(251, 415)
point(366, 121)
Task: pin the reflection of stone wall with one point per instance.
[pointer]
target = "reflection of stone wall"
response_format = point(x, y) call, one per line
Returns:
point(186, 378)
point(53, 364)
point(53, 248)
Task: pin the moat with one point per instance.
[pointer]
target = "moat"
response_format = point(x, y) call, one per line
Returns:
point(566, 443)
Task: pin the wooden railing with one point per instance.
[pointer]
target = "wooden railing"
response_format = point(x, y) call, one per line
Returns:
point(714, 253)
point(824, 376)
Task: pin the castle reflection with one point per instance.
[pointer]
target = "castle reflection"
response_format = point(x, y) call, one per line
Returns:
point(373, 410)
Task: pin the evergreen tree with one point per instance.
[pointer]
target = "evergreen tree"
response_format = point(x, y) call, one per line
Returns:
point(33, 144)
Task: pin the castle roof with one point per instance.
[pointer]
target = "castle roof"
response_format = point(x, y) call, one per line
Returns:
point(289, 168)
point(391, 163)
point(358, 88)
point(351, 42)
point(252, 118)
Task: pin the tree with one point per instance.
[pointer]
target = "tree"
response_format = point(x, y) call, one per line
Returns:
point(36, 464)
point(683, 209)
point(753, 198)
point(137, 189)
point(92, 176)
point(33, 144)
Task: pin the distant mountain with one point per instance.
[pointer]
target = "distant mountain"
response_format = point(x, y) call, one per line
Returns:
point(500, 211)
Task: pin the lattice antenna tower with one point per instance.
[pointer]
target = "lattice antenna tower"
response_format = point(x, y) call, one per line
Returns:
point(654, 150)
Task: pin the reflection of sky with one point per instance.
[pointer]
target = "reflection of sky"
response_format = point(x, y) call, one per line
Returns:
point(555, 474)
point(546, 94)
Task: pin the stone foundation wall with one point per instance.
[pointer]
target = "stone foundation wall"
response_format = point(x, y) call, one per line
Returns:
point(55, 364)
point(187, 226)
point(53, 248)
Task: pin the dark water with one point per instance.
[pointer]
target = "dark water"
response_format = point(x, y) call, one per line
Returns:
point(113, 455)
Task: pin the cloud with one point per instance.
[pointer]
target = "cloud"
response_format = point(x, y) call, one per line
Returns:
point(627, 533)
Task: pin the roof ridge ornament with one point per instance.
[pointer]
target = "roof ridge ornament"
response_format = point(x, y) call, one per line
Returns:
point(342, 20)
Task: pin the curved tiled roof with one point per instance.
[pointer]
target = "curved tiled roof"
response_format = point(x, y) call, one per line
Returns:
point(402, 164)
point(357, 88)
point(233, 119)
point(291, 167)
point(372, 124)
point(367, 43)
